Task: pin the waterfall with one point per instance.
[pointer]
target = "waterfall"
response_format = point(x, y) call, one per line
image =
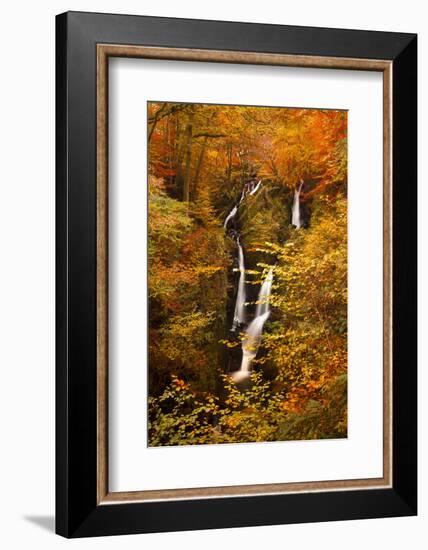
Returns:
point(239, 315)
point(230, 215)
point(234, 210)
point(295, 213)
point(263, 306)
point(253, 333)
point(254, 191)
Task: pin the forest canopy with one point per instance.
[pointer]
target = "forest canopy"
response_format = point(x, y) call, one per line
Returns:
point(247, 257)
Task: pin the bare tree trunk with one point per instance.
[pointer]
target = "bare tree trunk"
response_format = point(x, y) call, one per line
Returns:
point(188, 157)
point(199, 165)
point(229, 163)
point(156, 119)
point(170, 151)
point(178, 156)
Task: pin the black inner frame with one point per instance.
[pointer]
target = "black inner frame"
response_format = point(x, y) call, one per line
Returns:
point(77, 512)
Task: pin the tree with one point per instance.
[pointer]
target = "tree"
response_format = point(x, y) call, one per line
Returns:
point(200, 157)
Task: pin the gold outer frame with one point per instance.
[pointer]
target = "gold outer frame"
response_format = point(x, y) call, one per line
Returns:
point(104, 52)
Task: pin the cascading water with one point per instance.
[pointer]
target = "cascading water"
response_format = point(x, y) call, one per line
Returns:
point(253, 333)
point(244, 193)
point(254, 191)
point(264, 294)
point(239, 315)
point(295, 212)
point(230, 216)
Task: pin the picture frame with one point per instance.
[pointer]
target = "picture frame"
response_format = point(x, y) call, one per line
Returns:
point(84, 44)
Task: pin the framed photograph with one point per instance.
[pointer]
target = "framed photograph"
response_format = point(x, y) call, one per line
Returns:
point(236, 274)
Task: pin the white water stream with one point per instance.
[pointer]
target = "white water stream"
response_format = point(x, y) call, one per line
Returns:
point(230, 216)
point(239, 315)
point(295, 212)
point(253, 333)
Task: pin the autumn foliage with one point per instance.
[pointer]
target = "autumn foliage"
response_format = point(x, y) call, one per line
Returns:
point(200, 157)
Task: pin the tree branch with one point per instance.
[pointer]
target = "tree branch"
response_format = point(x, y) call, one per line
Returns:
point(208, 135)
